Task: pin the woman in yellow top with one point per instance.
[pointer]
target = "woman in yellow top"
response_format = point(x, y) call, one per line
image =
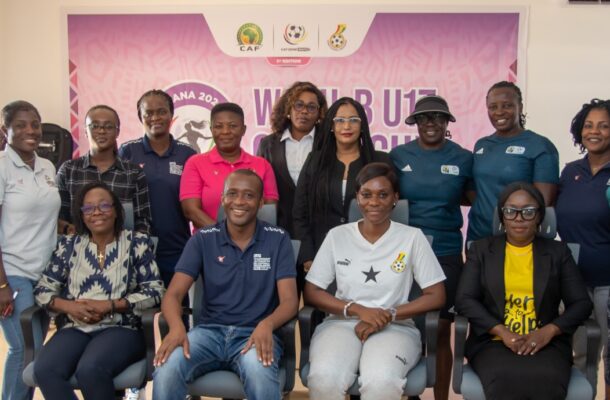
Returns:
point(510, 290)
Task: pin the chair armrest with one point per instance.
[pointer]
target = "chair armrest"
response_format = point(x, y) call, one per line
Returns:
point(431, 324)
point(461, 328)
point(288, 361)
point(309, 318)
point(593, 338)
point(26, 319)
point(148, 326)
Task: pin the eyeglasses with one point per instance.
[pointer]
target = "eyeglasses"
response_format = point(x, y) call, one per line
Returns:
point(89, 209)
point(95, 127)
point(310, 107)
point(527, 213)
point(349, 121)
point(436, 118)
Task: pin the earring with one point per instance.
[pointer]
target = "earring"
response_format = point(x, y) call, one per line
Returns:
point(448, 134)
point(288, 116)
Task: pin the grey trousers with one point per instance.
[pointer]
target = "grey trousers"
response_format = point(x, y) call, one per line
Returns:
point(383, 360)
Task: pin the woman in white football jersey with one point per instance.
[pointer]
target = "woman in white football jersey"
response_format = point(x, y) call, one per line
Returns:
point(370, 330)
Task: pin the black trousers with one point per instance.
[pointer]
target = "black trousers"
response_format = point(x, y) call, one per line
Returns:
point(95, 358)
point(507, 375)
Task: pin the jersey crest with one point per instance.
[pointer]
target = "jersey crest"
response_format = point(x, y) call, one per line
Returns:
point(399, 265)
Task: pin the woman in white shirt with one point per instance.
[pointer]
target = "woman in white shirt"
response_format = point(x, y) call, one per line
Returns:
point(29, 205)
point(374, 262)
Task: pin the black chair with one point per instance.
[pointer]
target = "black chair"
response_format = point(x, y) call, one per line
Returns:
point(226, 384)
point(465, 380)
point(56, 144)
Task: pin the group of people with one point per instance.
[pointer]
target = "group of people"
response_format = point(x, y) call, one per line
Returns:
point(98, 277)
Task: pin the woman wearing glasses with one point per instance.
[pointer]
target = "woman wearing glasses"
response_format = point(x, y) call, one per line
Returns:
point(326, 185)
point(97, 283)
point(511, 154)
point(29, 203)
point(295, 122)
point(424, 165)
point(510, 290)
point(101, 164)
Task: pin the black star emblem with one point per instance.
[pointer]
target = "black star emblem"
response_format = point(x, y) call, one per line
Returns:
point(370, 275)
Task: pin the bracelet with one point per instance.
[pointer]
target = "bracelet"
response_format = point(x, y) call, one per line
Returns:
point(4, 285)
point(111, 309)
point(345, 307)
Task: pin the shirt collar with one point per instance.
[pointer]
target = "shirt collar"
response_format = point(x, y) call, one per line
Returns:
point(225, 239)
point(286, 135)
point(16, 159)
point(148, 148)
point(216, 158)
point(118, 163)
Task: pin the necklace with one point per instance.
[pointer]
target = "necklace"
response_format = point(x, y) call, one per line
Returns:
point(101, 257)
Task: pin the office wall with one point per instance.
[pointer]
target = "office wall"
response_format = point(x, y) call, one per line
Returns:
point(568, 57)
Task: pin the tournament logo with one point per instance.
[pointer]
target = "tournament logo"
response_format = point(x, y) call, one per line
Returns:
point(337, 41)
point(399, 265)
point(294, 34)
point(193, 101)
point(249, 37)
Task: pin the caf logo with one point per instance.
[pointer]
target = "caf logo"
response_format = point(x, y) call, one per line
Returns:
point(294, 34)
point(337, 41)
point(249, 37)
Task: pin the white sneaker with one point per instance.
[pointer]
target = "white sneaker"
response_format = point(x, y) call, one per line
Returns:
point(135, 394)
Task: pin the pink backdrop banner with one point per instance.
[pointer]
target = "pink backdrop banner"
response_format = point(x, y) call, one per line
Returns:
point(403, 56)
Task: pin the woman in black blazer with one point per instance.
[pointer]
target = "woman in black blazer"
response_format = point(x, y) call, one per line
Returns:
point(295, 122)
point(327, 182)
point(510, 290)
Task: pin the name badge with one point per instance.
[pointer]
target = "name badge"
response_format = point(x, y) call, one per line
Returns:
point(175, 169)
point(515, 150)
point(450, 170)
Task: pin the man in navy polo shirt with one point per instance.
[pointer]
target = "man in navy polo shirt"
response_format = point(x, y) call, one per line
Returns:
point(162, 158)
point(249, 280)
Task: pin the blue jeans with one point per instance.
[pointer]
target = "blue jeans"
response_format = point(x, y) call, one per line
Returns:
point(215, 347)
point(13, 387)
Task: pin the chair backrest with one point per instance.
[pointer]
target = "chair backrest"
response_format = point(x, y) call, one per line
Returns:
point(547, 229)
point(400, 213)
point(56, 144)
point(267, 213)
point(129, 218)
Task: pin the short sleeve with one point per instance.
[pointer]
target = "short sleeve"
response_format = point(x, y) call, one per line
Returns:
point(269, 184)
point(191, 260)
point(286, 266)
point(322, 272)
point(546, 164)
point(124, 152)
point(191, 182)
point(426, 269)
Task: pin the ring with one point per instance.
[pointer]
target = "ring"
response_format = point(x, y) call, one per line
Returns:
point(87, 319)
point(533, 344)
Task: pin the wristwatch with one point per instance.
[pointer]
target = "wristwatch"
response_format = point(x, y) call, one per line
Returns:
point(392, 311)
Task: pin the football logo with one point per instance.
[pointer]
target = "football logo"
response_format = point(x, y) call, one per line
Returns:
point(337, 41)
point(249, 37)
point(399, 265)
point(294, 34)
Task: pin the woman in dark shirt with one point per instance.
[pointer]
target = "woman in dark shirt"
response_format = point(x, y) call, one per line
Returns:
point(326, 185)
point(583, 214)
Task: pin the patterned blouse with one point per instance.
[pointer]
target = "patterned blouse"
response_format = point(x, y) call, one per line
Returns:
point(129, 272)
